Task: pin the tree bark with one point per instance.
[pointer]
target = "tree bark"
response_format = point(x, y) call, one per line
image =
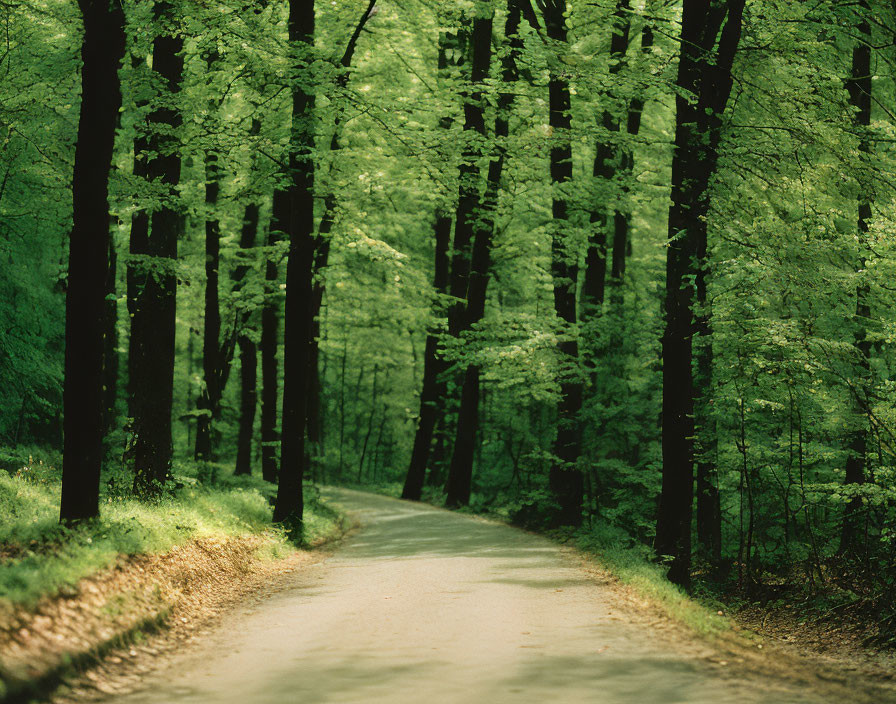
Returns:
point(461, 468)
point(209, 401)
point(136, 271)
point(433, 367)
point(709, 38)
point(859, 87)
point(248, 356)
point(153, 320)
point(432, 395)
point(299, 277)
point(101, 51)
point(606, 164)
point(270, 324)
point(565, 480)
point(475, 220)
point(612, 160)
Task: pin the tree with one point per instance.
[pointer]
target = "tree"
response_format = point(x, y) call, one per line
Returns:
point(565, 479)
point(461, 468)
point(248, 353)
point(299, 274)
point(155, 294)
point(470, 268)
point(710, 34)
point(432, 394)
point(209, 401)
point(270, 324)
point(610, 160)
point(102, 50)
point(859, 87)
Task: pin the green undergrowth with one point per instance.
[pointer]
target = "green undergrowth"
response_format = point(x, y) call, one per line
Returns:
point(633, 564)
point(39, 557)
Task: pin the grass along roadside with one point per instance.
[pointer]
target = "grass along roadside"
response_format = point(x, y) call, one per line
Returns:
point(69, 595)
point(40, 557)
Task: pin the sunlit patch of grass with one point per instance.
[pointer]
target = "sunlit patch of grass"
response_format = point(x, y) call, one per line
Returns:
point(40, 557)
point(632, 563)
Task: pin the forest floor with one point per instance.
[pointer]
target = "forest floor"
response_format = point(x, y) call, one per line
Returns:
point(422, 604)
point(841, 642)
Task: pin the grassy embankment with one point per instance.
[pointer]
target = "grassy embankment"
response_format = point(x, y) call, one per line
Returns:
point(39, 557)
point(68, 595)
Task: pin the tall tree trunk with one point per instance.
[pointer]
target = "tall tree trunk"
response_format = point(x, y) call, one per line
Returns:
point(248, 356)
point(475, 217)
point(709, 508)
point(101, 51)
point(270, 323)
point(433, 367)
point(606, 164)
point(209, 400)
point(622, 245)
point(137, 246)
point(454, 50)
point(565, 480)
point(432, 395)
point(710, 35)
point(370, 418)
point(461, 469)
point(299, 276)
point(859, 87)
point(153, 320)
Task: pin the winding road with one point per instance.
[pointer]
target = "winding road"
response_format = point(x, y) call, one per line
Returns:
point(426, 606)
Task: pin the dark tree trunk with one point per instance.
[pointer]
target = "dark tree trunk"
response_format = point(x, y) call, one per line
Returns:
point(453, 51)
point(606, 164)
point(859, 87)
point(478, 217)
point(248, 357)
point(709, 508)
point(153, 321)
point(468, 192)
point(434, 392)
point(101, 51)
point(270, 323)
point(611, 161)
point(136, 272)
point(321, 258)
point(460, 474)
point(370, 418)
point(709, 38)
point(622, 244)
point(248, 402)
point(565, 479)
point(299, 279)
point(209, 400)
point(314, 425)
point(433, 367)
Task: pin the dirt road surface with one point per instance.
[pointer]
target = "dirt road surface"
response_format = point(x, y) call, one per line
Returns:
point(426, 606)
